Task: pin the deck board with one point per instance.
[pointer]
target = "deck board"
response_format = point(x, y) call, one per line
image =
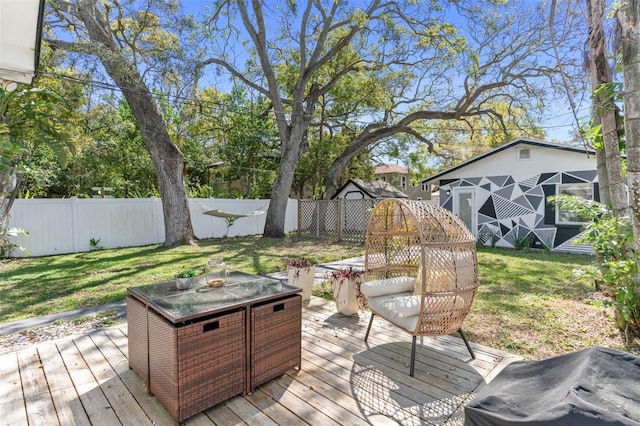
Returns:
point(10, 385)
point(120, 399)
point(86, 380)
point(65, 397)
point(38, 400)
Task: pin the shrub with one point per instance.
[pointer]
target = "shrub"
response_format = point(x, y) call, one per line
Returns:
point(301, 263)
point(615, 261)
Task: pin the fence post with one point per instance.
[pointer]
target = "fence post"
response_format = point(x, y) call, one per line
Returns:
point(299, 216)
point(318, 219)
point(75, 224)
point(340, 221)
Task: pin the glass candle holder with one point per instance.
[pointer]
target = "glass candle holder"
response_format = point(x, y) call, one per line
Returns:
point(216, 272)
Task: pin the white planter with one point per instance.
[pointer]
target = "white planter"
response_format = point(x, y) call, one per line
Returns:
point(302, 278)
point(184, 283)
point(344, 295)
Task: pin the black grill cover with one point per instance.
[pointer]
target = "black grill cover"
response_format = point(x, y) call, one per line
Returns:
point(595, 386)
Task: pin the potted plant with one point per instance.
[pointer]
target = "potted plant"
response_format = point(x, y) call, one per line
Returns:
point(184, 279)
point(345, 284)
point(301, 273)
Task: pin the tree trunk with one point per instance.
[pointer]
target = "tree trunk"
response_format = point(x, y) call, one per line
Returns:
point(603, 177)
point(601, 163)
point(374, 133)
point(335, 171)
point(9, 184)
point(166, 157)
point(604, 109)
point(627, 16)
point(169, 165)
point(291, 153)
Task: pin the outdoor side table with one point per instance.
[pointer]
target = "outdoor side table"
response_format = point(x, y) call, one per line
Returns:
point(196, 348)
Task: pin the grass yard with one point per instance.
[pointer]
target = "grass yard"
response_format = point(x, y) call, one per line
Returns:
point(43, 285)
point(529, 303)
point(534, 304)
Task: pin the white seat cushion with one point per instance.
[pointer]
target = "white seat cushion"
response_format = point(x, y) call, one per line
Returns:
point(387, 286)
point(435, 305)
point(403, 309)
point(408, 305)
point(385, 306)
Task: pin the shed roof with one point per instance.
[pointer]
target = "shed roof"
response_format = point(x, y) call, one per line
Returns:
point(374, 188)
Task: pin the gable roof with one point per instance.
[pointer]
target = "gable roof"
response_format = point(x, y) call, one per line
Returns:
point(374, 188)
point(383, 169)
point(506, 146)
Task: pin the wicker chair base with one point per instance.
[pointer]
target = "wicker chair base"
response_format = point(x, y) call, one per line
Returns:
point(413, 345)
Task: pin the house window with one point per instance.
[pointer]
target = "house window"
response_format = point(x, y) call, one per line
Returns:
point(418, 198)
point(524, 154)
point(403, 182)
point(424, 186)
point(584, 190)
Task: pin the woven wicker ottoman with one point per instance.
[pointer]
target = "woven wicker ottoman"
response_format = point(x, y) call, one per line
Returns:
point(276, 333)
point(196, 366)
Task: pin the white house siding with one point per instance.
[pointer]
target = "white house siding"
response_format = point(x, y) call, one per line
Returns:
point(543, 160)
point(510, 195)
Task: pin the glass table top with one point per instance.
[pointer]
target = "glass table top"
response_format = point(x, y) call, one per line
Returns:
point(183, 305)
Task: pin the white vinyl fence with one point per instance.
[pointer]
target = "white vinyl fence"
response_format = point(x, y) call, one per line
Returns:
point(59, 226)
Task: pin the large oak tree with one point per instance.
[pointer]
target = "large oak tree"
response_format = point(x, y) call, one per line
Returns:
point(134, 42)
point(444, 60)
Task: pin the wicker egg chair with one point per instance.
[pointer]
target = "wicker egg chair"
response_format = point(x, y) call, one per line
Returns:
point(421, 271)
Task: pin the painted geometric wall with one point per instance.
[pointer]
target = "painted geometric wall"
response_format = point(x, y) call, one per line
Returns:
point(509, 209)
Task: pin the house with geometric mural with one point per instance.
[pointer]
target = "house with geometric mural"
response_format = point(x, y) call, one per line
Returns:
point(502, 195)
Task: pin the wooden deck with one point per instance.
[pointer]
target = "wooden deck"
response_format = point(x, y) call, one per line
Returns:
point(86, 380)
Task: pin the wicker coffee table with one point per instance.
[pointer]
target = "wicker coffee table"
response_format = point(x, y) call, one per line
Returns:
point(196, 348)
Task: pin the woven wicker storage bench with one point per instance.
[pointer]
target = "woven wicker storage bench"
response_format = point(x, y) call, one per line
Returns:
point(276, 329)
point(138, 343)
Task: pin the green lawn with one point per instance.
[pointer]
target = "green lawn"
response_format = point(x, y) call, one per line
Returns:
point(43, 285)
point(529, 303)
point(533, 304)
